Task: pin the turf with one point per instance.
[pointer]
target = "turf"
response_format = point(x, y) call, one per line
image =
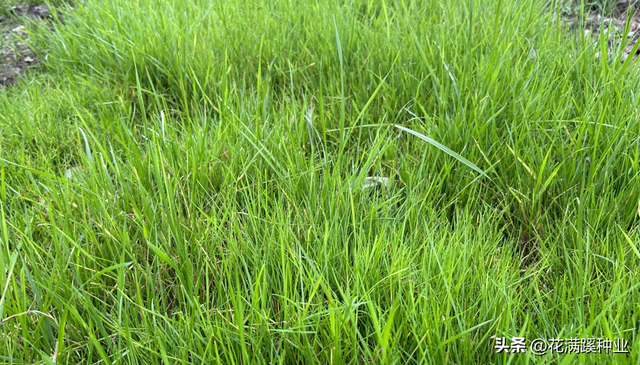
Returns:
point(299, 182)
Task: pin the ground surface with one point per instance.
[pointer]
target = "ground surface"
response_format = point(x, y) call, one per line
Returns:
point(343, 182)
point(611, 22)
point(15, 55)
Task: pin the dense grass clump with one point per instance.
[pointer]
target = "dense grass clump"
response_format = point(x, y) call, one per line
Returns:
point(296, 182)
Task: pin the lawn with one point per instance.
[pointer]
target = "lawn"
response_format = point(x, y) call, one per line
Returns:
point(330, 182)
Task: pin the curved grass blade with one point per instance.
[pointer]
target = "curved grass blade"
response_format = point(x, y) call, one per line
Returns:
point(444, 149)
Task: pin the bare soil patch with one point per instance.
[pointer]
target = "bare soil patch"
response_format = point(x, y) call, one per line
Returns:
point(15, 55)
point(612, 23)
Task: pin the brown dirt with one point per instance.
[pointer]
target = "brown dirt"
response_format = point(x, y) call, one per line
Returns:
point(15, 55)
point(612, 24)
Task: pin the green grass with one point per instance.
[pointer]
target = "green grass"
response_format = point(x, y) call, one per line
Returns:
point(185, 182)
